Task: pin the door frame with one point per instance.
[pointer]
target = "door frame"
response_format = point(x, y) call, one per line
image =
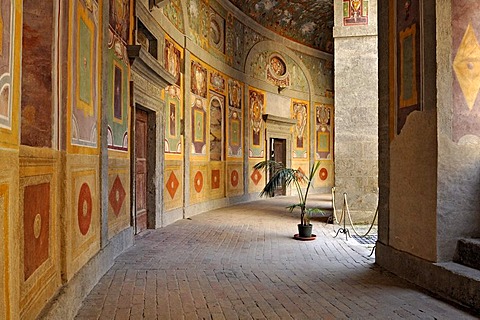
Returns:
point(279, 128)
point(152, 168)
point(284, 161)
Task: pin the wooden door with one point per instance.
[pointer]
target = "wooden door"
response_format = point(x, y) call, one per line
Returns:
point(279, 154)
point(140, 170)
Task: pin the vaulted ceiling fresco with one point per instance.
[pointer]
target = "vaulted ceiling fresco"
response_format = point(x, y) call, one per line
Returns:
point(309, 22)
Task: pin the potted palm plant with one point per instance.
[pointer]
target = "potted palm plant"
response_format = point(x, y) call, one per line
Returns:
point(279, 175)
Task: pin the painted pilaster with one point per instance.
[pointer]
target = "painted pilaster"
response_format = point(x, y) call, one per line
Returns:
point(356, 106)
point(103, 130)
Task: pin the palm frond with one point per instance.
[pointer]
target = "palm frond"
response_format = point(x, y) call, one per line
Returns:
point(282, 175)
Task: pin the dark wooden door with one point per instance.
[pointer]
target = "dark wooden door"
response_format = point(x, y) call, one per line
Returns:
point(140, 170)
point(279, 154)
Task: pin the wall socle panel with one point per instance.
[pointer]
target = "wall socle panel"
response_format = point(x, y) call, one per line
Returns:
point(9, 281)
point(118, 195)
point(325, 175)
point(173, 190)
point(39, 272)
point(82, 220)
point(4, 251)
point(234, 179)
point(199, 182)
point(216, 181)
point(256, 178)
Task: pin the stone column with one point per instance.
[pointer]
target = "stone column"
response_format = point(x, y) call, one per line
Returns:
point(356, 106)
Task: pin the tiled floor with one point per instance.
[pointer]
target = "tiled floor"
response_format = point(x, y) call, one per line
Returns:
point(242, 263)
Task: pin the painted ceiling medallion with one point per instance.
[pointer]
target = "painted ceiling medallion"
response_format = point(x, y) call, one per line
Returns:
point(172, 185)
point(277, 72)
point(256, 176)
point(467, 66)
point(117, 196)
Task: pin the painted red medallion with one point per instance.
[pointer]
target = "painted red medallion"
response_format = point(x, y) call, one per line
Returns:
point(323, 174)
point(234, 178)
point(84, 209)
point(117, 196)
point(215, 179)
point(198, 181)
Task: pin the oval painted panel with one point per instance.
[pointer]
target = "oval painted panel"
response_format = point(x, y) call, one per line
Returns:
point(234, 178)
point(84, 209)
point(323, 174)
point(198, 181)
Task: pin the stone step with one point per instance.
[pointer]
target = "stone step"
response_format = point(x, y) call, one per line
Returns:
point(468, 253)
point(459, 283)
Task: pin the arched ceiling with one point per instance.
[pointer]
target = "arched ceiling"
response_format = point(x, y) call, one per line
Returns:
point(309, 22)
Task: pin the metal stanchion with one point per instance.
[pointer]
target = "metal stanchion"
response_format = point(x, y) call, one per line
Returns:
point(343, 230)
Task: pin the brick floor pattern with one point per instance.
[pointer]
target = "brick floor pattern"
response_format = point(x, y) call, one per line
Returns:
point(241, 262)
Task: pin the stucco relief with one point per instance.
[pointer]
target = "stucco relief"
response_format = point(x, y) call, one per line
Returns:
point(261, 68)
point(277, 72)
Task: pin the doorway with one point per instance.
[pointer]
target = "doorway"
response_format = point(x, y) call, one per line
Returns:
point(278, 153)
point(141, 165)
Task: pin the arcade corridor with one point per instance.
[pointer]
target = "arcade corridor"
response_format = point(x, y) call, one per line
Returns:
point(241, 262)
point(127, 125)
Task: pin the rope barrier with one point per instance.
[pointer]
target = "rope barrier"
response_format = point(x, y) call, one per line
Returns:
point(346, 211)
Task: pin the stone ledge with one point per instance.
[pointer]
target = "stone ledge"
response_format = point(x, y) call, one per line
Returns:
point(468, 253)
point(449, 280)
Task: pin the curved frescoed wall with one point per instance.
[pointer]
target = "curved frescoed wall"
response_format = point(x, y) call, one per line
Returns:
point(235, 73)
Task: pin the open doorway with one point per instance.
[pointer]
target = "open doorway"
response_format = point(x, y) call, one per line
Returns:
point(278, 153)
